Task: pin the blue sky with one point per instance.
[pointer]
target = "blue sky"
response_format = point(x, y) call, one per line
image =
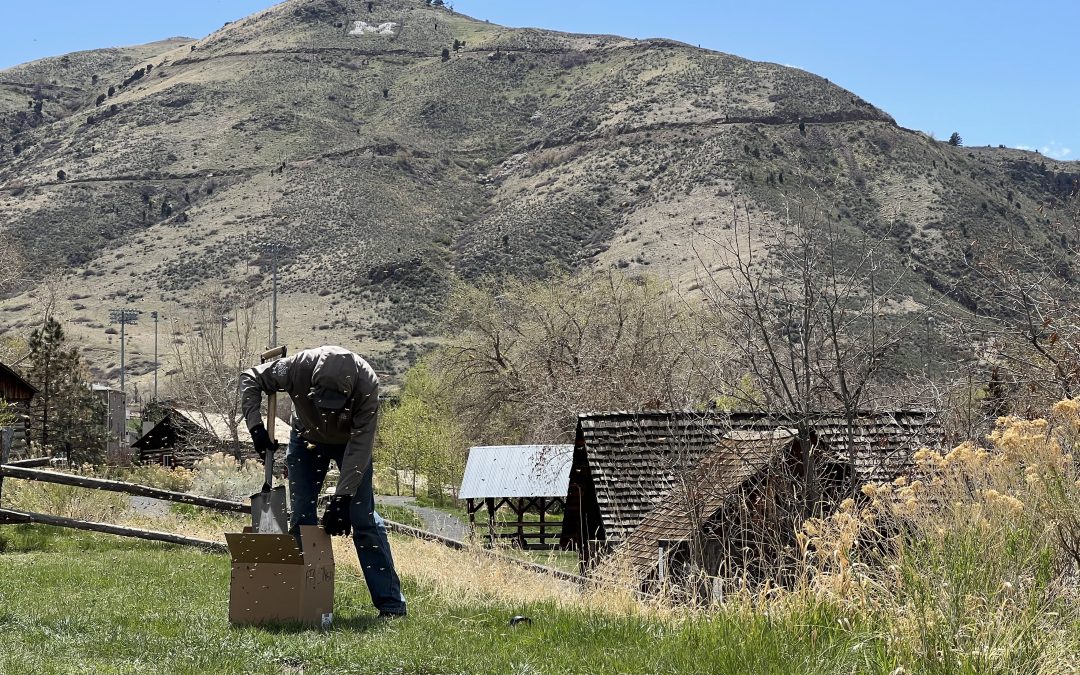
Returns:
point(998, 72)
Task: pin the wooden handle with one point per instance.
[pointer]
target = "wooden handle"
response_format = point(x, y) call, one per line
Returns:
point(271, 415)
point(271, 427)
point(275, 353)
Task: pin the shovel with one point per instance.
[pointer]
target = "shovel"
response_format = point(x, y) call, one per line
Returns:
point(269, 513)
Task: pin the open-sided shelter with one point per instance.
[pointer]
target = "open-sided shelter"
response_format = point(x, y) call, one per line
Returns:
point(523, 479)
point(627, 464)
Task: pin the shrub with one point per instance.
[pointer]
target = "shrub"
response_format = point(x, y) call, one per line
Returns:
point(64, 500)
point(971, 558)
point(222, 477)
point(155, 475)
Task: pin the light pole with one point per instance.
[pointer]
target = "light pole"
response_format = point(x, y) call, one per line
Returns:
point(123, 317)
point(274, 248)
point(155, 316)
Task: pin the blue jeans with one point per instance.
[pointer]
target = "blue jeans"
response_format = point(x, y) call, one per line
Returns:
point(307, 470)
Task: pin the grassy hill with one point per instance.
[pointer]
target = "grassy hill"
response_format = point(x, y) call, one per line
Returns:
point(391, 146)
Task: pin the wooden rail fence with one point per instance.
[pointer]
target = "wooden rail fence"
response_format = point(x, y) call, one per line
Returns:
point(12, 516)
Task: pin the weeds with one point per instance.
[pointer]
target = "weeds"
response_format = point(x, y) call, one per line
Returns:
point(222, 477)
point(969, 562)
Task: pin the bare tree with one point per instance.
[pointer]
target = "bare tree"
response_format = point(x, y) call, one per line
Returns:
point(527, 357)
point(814, 317)
point(13, 267)
point(222, 341)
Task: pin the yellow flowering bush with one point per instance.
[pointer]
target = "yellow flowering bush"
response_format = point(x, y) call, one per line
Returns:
point(971, 551)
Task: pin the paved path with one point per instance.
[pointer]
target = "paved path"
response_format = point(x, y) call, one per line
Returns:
point(435, 521)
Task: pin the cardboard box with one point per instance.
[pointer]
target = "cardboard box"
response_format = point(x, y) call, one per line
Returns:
point(273, 581)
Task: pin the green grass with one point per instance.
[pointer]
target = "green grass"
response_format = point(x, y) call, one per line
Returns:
point(451, 506)
point(89, 603)
point(400, 515)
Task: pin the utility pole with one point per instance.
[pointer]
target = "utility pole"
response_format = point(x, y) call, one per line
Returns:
point(155, 315)
point(274, 248)
point(123, 317)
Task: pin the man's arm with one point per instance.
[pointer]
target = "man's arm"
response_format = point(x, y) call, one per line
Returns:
point(357, 456)
point(268, 377)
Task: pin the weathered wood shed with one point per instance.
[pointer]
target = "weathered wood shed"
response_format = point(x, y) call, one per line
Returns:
point(627, 464)
point(16, 393)
point(185, 436)
point(523, 479)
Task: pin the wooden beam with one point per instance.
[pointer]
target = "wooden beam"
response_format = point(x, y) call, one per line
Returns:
point(31, 463)
point(10, 516)
point(6, 438)
point(543, 526)
point(454, 543)
point(119, 486)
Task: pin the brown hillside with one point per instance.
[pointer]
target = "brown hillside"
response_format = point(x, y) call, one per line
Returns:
point(386, 166)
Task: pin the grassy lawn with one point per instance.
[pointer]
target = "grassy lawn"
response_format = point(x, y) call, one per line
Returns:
point(75, 602)
point(399, 515)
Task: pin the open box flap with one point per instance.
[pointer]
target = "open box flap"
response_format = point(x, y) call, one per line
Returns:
point(318, 547)
point(264, 548)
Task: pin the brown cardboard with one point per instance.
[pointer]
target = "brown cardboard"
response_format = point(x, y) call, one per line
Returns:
point(273, 581)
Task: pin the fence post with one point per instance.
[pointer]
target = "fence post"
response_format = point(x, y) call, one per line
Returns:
point(7, 437)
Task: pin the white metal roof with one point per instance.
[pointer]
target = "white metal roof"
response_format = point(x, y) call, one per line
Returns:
point(517, 471)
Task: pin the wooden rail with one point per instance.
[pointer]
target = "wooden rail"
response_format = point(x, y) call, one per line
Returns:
point(10, 516)
point(120, 486)
point(31, 463)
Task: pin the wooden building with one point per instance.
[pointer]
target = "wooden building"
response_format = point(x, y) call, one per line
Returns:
point(628, 466)
point(16, 393)
point(522, 480)
point(185, 436)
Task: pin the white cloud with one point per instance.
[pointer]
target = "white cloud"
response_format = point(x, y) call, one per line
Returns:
point(1052, 149)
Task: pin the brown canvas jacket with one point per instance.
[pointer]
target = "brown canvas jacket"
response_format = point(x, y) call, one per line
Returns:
point(334, 368)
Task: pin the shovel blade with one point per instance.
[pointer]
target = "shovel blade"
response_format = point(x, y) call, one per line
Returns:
point(269, 513)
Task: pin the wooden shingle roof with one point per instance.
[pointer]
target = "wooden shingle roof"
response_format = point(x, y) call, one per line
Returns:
point(634, 456)
point(738, 457)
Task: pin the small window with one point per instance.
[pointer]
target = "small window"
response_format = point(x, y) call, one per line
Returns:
point(167, 460)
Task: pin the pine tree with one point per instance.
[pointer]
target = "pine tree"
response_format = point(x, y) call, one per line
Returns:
point(955, 140)
point(66, 414)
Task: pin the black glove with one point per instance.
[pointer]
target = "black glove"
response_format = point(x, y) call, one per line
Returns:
point(262, 442)
point(336, 520)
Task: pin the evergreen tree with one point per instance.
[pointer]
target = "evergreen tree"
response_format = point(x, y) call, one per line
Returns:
point(955, 140)
point(66, 414)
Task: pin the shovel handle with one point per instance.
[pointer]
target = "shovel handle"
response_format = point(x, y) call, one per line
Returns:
point(271, 421)
point(271, 424)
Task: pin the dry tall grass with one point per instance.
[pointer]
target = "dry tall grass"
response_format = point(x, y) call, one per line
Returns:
point(972, 561)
